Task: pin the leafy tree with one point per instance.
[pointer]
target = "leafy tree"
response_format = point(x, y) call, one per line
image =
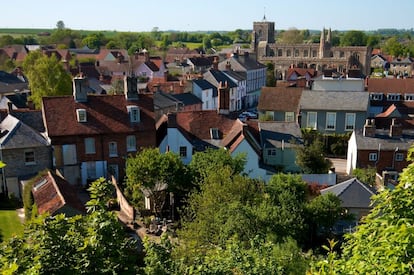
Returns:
point(270, 75)
point(354, 38)
point(101, 191)
point(365, 175)
point(91, 244)
point(6, 40)
point(60, 25)
point(393, 47)
point(311, 159)
point(291, 36)
point(384, 242)
point(47, 77)
point(155, 172)
point(210, 160)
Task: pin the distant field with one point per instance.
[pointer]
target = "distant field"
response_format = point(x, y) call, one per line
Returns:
point(9, 224)
point(34, 32)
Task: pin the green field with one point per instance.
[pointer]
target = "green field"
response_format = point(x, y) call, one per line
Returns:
point(9, 224)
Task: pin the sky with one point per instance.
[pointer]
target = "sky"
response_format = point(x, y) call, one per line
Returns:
point(209, 15)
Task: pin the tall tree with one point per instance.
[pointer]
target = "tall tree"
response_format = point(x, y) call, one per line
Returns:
point(47, 77)
point(311, 158)
point(60, 25)
point(354, 38)
point(384, 242)
point(156, 173)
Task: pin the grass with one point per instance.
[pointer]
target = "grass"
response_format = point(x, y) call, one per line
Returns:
point(9, 224)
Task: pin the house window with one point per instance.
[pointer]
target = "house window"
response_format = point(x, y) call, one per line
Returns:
point(290, 116)
point(113, 150)
point(349, 121)
point(279, 52)
point(90, 146)
point(29, 157)
point(113, 170)
point(330, 121)
point(376, 96)
point(409, 97)
point(393, 97)
point(296, 53)
point(288, 53)
point(131, 143)
point(91, 170)
point(134, 115)
point(305, 53)
point(271, 152)
point(81, 115)
point(372, 157)
point(314, 53)
point(312, 118)
point(341, 54)
point(214, 133)
point(183, 151)
point(399, 157)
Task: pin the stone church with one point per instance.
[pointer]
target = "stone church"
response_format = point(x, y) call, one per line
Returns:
point(319, 56)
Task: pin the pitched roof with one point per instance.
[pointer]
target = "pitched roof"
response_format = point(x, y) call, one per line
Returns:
point(279, 99)
point(187, 98)
point(334, 100)
point(200, 61)
point(216, 76)
point(241, 63)
point(32, 118)
point(15, 134)
point(391, 85)
point(51, 193)
point(383, 141)
point(106, 114)
point(197, 126)
point(204, 84)
point(280, 134)
point(352, 193)
point(164, 100)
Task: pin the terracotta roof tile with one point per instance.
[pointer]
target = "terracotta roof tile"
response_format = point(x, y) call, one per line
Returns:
point(393, 85)
point(105, 114)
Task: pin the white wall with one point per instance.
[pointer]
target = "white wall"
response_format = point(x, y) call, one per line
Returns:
point(351, 159)
point(335, 84)
point(173, 141)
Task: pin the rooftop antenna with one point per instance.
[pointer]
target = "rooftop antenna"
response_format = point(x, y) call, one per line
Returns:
point(264, 14)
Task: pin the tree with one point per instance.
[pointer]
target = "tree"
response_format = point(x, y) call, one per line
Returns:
point(311, 159)
point(365, 175)
point(291, 36)
point(156, 173)
point(383, 243)
point(6, 40)
point(270, 75)
point(210, 160)
point(47, 77)
point(92, 244)
point(393, 47)
point(60, 25)
point(354, 38)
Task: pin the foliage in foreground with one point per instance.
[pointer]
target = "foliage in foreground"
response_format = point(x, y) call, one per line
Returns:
point(384, 243)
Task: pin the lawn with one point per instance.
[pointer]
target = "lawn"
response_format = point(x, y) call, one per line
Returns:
point(9, 224)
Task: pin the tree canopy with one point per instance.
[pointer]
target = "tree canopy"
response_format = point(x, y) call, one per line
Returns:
point(311, 158)
point(47, 77)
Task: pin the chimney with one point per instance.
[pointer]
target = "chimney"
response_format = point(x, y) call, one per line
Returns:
point(395, 129)
point(369, 128)
point(80, 93)
point(228, 66)
point(223, 98)
point(172, 120)
point(131, 87)
point(215, 63)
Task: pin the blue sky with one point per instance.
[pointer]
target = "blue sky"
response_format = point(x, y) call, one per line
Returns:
point(192, 15)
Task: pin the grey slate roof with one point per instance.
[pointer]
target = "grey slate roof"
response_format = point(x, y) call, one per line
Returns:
point(215, 77)
point(382, 137)
point(187, 99)
point(242, 63)
point(164, 100)
point(352, 193)
point(334, 100)
point(15, 134)
point(275, 133)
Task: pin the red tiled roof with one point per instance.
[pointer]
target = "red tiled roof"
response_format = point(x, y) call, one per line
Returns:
point(51, 192)
point(279, 99)
point(391, 85)
point(106, 114)
point(300, 72)
point(387, 112)
point(198, 123)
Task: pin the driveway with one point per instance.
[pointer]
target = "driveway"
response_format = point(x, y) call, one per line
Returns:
point(339, 164)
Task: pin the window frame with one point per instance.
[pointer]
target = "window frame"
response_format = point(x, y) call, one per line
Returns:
point(134, 114)
point(29, 160)
point(81, 115)
point(353, 121)
point(90, 144)
point(315, 126)
point(183, 151)
point(373, 156)
point(399, 156)
point(327, 126)
point(131, 143)
point(289, 115)
point(271, 152)
point(112, 149)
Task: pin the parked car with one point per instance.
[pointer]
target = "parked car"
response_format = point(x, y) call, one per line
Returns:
point(247, 115)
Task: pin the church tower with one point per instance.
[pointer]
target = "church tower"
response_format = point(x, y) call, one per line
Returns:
point(263, 31)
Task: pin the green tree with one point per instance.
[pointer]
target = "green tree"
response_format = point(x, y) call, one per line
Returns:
point(354, 38)
point(156, 173)
point(6, 40)
point(365, 175)
point(311, 158)
point(60, 25)
point(270, 75)
point(210, 160)
point(291, 36)
point(47, 77)
point(384, 242)
point(393, 47)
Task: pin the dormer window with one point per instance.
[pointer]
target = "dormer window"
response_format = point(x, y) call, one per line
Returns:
point(409, 97)
point(81, 115)
point(393, 97)
point(376, 96)
point(134, 115)
point(214, 133)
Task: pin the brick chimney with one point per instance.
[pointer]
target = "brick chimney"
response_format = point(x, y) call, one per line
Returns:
point(223, 98)
point(369, 128)
point(131, 87)
point(80, 93)
point(395, 129)
point(215, 63)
